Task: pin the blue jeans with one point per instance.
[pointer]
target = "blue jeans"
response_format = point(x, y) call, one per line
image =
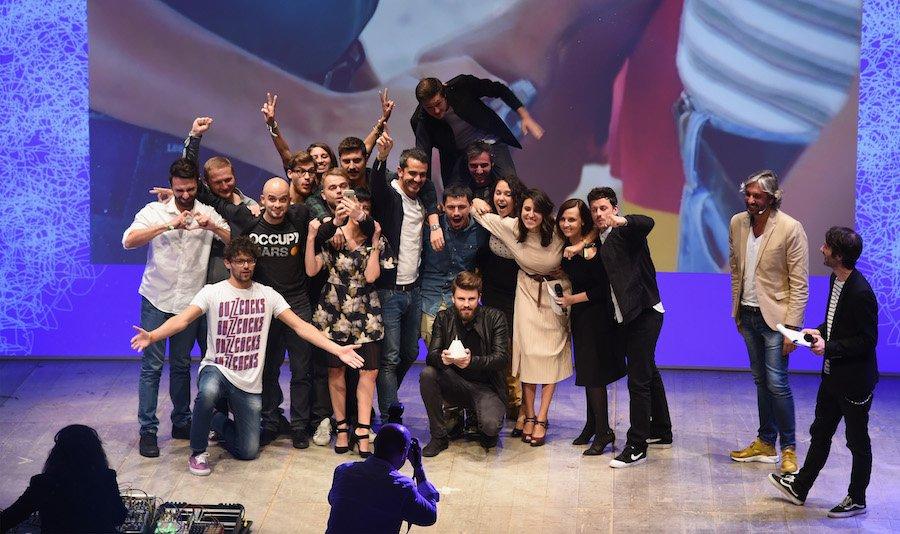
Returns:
point(152, 360)
point(718, 155)
point(401, 312)
point(241, 435)
point(770, 373)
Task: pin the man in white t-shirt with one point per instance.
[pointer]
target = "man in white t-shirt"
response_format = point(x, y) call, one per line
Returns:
point(239, 312)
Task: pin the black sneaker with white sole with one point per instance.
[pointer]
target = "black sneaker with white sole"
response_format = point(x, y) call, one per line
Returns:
point(630, 457)
point(847, 508)
point(657, 442)
point(788, 486)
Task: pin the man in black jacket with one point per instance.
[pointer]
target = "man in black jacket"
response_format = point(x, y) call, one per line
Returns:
point(846, 341)
point(639, 312)
point(450, 116)
point(473, 377)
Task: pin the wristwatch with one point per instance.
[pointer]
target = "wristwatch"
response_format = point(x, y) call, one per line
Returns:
point(169, 227)
point(434, 227)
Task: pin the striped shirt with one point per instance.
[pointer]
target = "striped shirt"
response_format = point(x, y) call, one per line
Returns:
point(829, 317)
point(779, 66)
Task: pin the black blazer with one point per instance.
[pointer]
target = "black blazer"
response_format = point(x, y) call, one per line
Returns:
point(387, 207)
point(850, 346)
point(632, 275)
point(464, 94)
point(490, 324)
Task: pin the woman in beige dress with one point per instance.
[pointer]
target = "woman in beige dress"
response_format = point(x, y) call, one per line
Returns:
point(540, 350)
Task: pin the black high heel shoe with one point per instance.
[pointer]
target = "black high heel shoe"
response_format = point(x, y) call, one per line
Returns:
point(517, 432)
point(600, 443)
point(338, 449)
point(586, 434)
point(358, 438)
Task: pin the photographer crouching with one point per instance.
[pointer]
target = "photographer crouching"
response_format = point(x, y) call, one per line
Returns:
point(373, 496)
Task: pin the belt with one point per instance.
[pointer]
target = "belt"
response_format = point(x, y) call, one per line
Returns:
point(540, 279)
point(750, 309)
point(403, 287)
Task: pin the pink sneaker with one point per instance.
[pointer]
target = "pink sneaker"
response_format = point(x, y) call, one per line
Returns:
point(199, 464)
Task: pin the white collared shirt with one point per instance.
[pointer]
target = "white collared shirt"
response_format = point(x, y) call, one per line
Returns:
point(618, 313)
point(177, 259)
point(410, 254)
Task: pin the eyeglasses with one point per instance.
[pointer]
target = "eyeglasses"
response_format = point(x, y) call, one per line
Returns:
point(308, 172)
point(242, 262)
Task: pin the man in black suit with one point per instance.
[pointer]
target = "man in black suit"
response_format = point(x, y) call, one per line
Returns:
point(639, 314)
point(846, 341)
point(450, 116)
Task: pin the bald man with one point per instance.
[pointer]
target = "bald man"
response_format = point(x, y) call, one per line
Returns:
point(280, 232)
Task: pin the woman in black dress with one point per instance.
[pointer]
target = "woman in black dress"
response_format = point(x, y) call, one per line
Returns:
point(499, 272)
point(599, 358)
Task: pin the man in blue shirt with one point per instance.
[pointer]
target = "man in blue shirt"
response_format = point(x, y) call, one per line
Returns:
point(462, 239)
point(372, 495)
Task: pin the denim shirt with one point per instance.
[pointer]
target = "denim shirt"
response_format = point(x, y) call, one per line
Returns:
point(440, 268)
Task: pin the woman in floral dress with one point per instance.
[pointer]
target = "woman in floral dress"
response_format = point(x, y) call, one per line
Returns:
point(349, 312)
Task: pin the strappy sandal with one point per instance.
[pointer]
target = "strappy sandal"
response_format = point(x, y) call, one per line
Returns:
point(359, 438)
point(526, 436)
point(538, 442)
point(338, 449)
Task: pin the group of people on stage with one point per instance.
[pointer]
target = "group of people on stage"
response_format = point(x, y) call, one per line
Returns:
point(361, 263)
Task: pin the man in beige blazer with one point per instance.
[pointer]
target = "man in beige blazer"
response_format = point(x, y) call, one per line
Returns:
point(769, 258)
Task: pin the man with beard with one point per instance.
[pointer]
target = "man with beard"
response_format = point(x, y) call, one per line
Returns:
point(769, 259)
point(439, 267)
point(242, 311)
point(180, 232)
point(474, 378)
point(280, 231)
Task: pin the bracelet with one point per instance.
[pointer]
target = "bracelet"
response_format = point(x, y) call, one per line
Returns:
point(272, 127)
point(169, 227)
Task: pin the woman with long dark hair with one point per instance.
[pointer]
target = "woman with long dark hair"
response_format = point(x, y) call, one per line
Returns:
point(599, 358)
point(541, 352)
point(323, 156)
point(499, 272)
point(76, 492)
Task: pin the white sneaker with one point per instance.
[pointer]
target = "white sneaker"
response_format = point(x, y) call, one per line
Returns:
point(322, 437)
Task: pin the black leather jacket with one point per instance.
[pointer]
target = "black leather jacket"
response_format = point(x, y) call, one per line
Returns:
point(490, 324)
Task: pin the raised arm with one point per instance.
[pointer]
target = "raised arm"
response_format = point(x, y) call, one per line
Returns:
point(387, 107)
point(281, 144)
point(373, 262)
point(312, 261)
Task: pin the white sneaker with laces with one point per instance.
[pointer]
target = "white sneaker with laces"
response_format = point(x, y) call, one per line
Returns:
point(322, 436)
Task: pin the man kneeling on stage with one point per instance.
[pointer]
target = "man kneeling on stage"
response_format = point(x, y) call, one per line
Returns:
point(467, 358)
point(239, 312)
